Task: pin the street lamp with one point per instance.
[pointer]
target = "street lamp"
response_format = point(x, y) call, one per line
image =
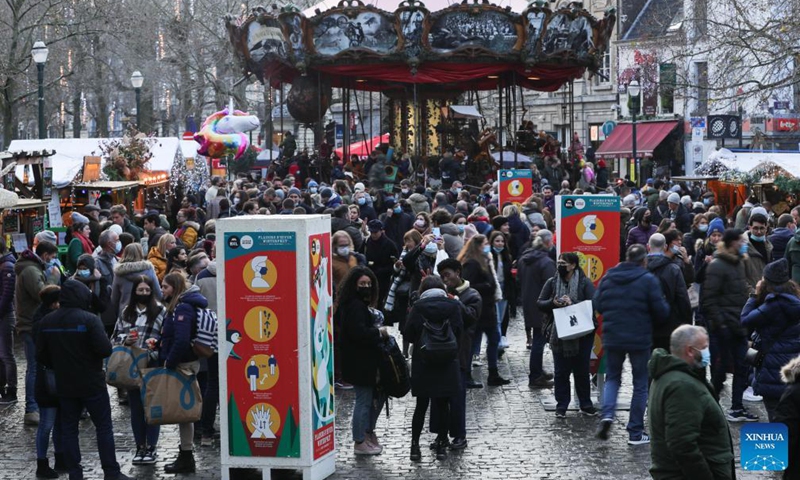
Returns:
point(137, 79)
point(741, 125)
point(564, 143)
point(39, 53)
point(633, 94)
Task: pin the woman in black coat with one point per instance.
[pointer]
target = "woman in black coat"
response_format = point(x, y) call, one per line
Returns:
point(433, 380)
point(502, 260)
point(360, 340)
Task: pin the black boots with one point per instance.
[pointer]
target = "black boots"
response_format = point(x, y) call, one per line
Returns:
point(61, 463)
point(495, 380)
point(416, 454)
point(441, 448)
point(471, 383)
point(43, 469)
point(183, 464)
point(9, 396)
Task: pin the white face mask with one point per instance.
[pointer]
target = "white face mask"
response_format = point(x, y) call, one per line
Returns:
point(343, 251)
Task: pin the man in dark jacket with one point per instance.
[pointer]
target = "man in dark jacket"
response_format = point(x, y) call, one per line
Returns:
point(690, 435)
point(73, 343)
point(678, 213)
point(780, 236)
point(673, 287)
point(724, 294)
point(396, 222)
point(534, 268)
point(119, 216)
point(450, 272)
point(340, 221)
point(631, 302)
point(8, 364)
point(92, 212)
point(381, 253)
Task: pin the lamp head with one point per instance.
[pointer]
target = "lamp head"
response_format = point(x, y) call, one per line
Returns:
point(634, 89)
point(137, 79)
point(39, 52)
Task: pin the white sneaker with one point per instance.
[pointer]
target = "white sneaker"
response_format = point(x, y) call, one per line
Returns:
point(750, 396)
point(476, 362)
point(503, 343)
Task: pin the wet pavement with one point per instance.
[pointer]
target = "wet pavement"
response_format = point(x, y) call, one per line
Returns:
point(510, 435)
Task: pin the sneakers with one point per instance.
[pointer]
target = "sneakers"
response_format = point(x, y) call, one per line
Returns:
point(642, 440)
point(150, 456)
point(561, 414)
point(373, 440)
point(31, 418)
point(540, 382)
point(458, 444)
point(750, 396)
point(604, 428)
point(137, 458)
point(742, 415)
point(476, 361)
point(343, 385)
point(590, 412)
point(366, 448)
point(503, 343)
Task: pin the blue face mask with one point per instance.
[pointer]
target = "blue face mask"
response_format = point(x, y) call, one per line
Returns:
point(398, 210)
point(706, 201)
point(703, 227)
point(84, 273)
point(498, 250)
point(460, 228)
point(705, 357)
point(362, 201)
point(313, 189)
point(743, 249)
point(487, 249)
point(118, 247)
point(757, 238)
point(431, 249)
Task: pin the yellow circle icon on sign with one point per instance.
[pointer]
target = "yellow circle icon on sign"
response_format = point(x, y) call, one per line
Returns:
point(262, 372)
point(263, 421)
point(515, 188)
point(593, 267)
point(316, 251)
point(260, 274)
point(261, 324)
point(589, 229)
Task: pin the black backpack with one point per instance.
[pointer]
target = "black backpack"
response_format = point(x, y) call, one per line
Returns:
point(395, 379)
point(437, 343)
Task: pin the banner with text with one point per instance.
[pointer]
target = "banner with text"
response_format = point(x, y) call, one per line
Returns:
point(514, 186)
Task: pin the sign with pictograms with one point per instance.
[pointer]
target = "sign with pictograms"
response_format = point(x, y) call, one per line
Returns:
point(724, 126)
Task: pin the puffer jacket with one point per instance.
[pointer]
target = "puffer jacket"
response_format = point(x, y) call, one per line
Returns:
point(788, 412)
point(124, 276)
point(8, 279)
point(30, 281)
point(674, 288)
point(187, 233)
point(159, 263)
point(639, 235)
point(776, 322)
point(724, 293)
point(176, 332)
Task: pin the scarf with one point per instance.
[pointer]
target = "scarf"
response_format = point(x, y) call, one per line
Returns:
point(87, 245)
point(498, 291)
point(400, 276)
point(432, 293)
point(567, 348)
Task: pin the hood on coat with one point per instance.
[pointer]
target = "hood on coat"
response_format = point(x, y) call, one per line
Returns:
point(532, 255)
point(727, 257)
point(655, 262)
point(194, 298)
point(189, 223)
point(8, 257)
point(790, 373)
point(212, 268)
point(27, 259)
point(662, 362)
point(75, 294)
point(133, 268)
point(625, 273)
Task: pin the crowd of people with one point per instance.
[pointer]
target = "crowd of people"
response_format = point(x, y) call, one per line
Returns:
point(450, 267)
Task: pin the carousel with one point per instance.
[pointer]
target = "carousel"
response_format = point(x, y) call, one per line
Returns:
point(423, 63)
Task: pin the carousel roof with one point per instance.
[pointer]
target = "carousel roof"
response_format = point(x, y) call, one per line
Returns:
point(432, 5)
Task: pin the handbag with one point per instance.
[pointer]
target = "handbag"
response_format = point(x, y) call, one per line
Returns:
point(574, 321)
point(170, 397)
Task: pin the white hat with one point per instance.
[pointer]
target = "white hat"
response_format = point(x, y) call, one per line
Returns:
point(359, 187)
point(115, 228)
point(674, 198)
point(686, 200)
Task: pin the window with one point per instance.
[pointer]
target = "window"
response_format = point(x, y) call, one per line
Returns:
point(666, 86)
point(701, 87)
point(603, 76)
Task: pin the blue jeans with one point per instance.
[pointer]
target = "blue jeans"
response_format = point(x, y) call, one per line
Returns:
point(8, 364)
point(729, 351)
point(614, 360)
point(30, 372)
point(578, 367)
point(369, 403)
point(143, 433)
point(492, 339)
point(537, 351)
point(49, 422)
point(99, 409)
point(501, 306)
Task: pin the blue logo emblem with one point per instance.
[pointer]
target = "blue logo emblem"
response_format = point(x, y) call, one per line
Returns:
point(765, 446)
point(156, 412)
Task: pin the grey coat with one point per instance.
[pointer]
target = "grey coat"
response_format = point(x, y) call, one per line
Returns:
point(124, 276)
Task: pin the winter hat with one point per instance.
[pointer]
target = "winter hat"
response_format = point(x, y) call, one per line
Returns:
point(777, 272)
point(47, 236)
point(91, 208)
point(115, 228)
point(663, 195)
point(326, 193)
point(674, 198)
point(649, 181)
point(294, 191)
point(687, 201)
point(716, 225)
point(498, 222)
point(312, 183)
point(675, 188)
point(629, 200)
point(87, 261)
point(358, 187)
point(761, 210)
point(537, 218)
point(79, 218)
point(280, 193)
point(469, 231)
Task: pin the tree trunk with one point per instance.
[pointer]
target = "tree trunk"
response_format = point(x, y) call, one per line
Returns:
point(76, 114)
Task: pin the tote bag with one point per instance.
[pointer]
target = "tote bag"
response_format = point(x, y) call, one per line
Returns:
point(170, 397)
point(123, 368)
point(574, 321)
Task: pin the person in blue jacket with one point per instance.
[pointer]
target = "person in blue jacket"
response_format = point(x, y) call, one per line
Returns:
point(631, 301)
point(774, 314)
point(175, 350)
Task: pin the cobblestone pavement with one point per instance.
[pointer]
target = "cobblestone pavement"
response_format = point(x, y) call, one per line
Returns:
point(510, 435)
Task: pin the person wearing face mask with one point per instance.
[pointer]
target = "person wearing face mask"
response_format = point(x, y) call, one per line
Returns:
point(774, 315)
point(345, 258)
point(660, 263)
point(690, 438)
point(396, 221)
point(79, 245)
point(643, 230)
point(88, 274)
point(698, 233)
point(106, 261)
point(421, 261)
point(722, 297)
point(422, 223)
point(782, 235)
point(366, 212)
point(759, 249)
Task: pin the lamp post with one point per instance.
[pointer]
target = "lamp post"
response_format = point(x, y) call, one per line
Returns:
point(741, 125)
point(633, 93)
point(137, 79)
point(39, 53)
point(564, 143)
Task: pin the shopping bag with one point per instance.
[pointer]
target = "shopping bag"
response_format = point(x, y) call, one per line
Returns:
point(170, 397)
point(574, 321)
point(123, 367)
point(694, 295)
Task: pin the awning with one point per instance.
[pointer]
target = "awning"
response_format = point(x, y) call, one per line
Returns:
point(648, 136)
point(110, 185)
point(465, 111)
point(365, 147)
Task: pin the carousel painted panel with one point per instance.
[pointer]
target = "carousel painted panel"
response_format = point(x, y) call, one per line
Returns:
point(490, 30)
point(369, 30)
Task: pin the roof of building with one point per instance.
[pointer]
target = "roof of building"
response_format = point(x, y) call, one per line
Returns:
point(656, 19)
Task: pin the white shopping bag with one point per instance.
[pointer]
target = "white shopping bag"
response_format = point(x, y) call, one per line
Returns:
point(574, 321)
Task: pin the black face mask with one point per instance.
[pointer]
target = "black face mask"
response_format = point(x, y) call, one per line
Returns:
point(365, 293)
point(562, 271)
point(142, 299)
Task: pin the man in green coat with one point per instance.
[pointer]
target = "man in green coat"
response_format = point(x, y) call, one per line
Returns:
point(688, 430)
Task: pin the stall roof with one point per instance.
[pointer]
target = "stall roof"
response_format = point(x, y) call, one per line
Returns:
point(119, 185)
point(465, 111)
point(30, 203)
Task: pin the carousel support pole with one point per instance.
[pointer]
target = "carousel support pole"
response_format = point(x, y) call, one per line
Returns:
point(416, 121)
point(282, 132)
point(270, 126)
point(500, 119)
point(320, 132)
point(346, 121)
point(515, 124)
point(363, 132)
point(371, 114)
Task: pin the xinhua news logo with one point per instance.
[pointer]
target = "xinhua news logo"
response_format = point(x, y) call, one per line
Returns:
point(765, 446)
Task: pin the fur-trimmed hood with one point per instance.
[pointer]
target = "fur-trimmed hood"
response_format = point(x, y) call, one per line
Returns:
point(790, 373)
point(189, 223)
point(128, 268)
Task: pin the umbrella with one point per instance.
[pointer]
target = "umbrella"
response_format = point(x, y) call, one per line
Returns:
point(508, 158)
point(364, 148)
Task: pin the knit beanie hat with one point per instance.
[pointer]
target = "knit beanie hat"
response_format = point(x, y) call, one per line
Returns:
point(717, 226)
point(777, 272)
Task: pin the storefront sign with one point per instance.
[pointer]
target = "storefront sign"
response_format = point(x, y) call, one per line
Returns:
point(786, 124)
point(262, 359)
point(515, 186)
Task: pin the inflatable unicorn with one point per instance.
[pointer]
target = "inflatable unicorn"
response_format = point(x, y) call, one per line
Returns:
point(222, 133)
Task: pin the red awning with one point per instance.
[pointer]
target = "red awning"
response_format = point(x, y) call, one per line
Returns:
point(648, 136)
point(364, 147)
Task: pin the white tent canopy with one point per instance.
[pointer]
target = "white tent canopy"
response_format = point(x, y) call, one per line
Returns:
point(508, 158)
point(465, 111)
point(749, 161)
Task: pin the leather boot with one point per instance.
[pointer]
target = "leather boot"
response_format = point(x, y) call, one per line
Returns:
point(495, 380)
point(43, 469)
point(183, 464)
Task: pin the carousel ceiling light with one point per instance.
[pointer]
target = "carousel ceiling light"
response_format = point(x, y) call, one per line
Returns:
point(493, 77)
point(534, 78)
point(360, 80)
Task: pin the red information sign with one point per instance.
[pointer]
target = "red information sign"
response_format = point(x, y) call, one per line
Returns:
point(262, 362)
point(515, 186)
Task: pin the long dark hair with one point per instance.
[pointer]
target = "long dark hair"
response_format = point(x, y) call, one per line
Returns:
point(505, 255)
point(348, 289)
point(172, 258)
point(767, 287)
point(153, 308)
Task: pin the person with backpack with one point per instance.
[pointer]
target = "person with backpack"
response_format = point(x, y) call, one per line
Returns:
point(360, 340)
point(140, 321)
point(434, 326)
point(175, 350)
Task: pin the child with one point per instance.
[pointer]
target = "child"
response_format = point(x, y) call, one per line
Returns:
point(788, 412)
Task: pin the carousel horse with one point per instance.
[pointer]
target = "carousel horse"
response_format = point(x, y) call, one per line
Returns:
point(483, 167)
point(222, 133)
